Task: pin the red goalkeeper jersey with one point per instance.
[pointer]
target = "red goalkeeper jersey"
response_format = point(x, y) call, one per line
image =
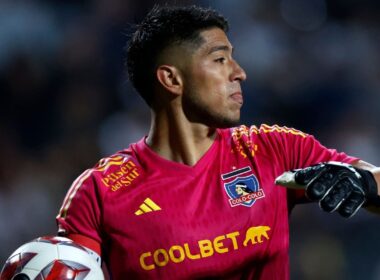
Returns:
point(221, 218)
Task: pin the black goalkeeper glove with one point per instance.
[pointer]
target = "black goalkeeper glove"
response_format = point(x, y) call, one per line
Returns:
point(337, 186)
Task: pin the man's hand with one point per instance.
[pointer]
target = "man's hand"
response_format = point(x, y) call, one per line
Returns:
point(337, 186)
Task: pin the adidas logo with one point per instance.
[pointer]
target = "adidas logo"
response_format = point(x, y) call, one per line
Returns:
point(147, 206)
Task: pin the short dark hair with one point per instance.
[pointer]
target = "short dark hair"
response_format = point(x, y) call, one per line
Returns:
point(164, 26)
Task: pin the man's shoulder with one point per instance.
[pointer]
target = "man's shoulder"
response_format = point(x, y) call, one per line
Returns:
point(243, 130)
point(118, 170)
point(117, 159)
point(111, 168)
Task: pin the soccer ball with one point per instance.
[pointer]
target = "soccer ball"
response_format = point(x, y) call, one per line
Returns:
point(51, 257)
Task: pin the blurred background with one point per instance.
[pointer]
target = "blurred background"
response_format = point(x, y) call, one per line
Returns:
point(66, 102)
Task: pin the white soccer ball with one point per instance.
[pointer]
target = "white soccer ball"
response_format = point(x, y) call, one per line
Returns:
point(51, 257)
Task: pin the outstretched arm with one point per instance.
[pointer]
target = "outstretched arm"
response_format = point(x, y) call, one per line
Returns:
point(339, 187)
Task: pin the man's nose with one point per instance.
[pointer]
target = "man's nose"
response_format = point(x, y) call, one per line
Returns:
point(238, 72)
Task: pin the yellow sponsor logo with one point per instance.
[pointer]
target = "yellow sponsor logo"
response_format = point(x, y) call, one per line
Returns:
point(255, 235)
point(148, 206)
point(204, 248)
point(105, 163)
point(123, 176)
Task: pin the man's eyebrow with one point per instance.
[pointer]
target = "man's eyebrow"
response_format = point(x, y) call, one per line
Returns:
point(220, 48)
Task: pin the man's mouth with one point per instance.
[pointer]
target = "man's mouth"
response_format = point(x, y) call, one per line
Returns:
point(238, 97)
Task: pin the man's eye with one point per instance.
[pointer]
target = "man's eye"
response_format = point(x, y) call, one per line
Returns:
point(220, 60)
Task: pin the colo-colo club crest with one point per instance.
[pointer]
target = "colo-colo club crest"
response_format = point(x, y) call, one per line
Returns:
point(242, 187)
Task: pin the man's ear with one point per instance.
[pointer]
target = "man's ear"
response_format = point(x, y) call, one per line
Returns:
point(169, 77)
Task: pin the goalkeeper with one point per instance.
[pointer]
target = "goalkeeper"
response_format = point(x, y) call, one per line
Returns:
point(172, 205)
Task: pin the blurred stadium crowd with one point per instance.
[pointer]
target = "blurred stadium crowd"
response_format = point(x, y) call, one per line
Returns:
point(66, 102)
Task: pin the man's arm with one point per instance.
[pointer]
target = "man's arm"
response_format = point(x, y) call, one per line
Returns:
point(88, 243)
point(93, 248)
point(340, 187)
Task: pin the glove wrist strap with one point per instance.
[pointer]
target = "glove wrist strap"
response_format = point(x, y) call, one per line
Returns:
point(373, 199)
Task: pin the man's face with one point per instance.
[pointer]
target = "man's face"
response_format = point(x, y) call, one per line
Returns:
point(212, 93)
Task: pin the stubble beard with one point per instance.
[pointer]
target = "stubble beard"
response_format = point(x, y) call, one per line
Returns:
point(198, 112)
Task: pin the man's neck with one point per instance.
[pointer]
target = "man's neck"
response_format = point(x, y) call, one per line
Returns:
point(178, 140)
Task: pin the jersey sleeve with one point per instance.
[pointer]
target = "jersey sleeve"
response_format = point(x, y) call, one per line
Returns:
point(310, 151)
point(294, 149)
point(302, 151)
point(80, 213)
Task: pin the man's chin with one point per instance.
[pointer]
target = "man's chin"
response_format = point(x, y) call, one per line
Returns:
point(227, 123)
point(218, 120)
